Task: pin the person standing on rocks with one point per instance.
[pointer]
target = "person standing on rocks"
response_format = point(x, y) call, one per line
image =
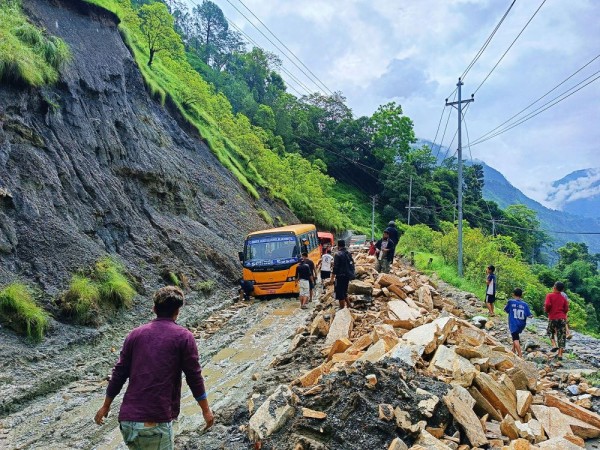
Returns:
point(557, 307)
point(490, 292)
point(153, 357)
point(518, 312)
point(343, 272)
point(304, 275)
point(393, 233)
point(385, 252)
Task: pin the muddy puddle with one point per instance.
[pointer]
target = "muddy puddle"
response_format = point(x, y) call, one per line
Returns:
point(242, 349)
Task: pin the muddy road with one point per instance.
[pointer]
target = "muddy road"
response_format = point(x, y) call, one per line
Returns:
point(245, 339)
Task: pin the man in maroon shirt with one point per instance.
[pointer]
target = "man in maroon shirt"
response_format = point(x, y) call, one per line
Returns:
point(557, 307)
point(153, 358)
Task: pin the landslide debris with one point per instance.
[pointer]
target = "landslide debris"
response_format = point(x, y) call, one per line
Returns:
point(404, 368)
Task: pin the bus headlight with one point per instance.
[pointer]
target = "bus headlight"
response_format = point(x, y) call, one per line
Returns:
point(291, 279)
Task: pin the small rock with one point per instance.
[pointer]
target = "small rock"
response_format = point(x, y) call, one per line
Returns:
point(371, 379)
point(573, 389)
point(479, 321)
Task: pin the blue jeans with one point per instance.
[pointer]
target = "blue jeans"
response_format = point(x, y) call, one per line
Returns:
point(138, 436)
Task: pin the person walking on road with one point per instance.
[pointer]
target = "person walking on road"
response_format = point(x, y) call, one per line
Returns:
point(385, 252)
point(518, 312)
point(490, 292)
point(313, 272)
point(325, 265)
point(343, 272)
point(152, 358)
point(557, 307)
point(304, 275)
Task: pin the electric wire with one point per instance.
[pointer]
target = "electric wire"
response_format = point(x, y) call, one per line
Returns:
point(541, 109)
point(540, 98)
point(287, 48)
point(299, 83)
point(274, 45)
point(487, 42)
point(509, 47)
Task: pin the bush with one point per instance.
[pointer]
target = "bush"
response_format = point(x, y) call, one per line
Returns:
point(113, 285)
point(206, 287)
point(23, 314)
point(80, 302)
point(174, 279)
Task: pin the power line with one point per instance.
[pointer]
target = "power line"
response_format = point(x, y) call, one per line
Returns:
point(509, 47)
point(540, 98)
point(541, 109)
point(287, 48)
point(274, 44)
point(487, 42)
point(363, 166)
point(299, 83)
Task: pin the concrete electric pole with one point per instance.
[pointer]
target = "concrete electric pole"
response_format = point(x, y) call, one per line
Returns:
point(458, 105)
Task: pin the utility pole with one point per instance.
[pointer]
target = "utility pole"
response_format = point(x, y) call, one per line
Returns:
point(373, 201)
point(458, 105)
point(409, 199)
point(454, 213)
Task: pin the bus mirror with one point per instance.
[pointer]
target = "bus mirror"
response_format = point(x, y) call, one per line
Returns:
point(241, 256)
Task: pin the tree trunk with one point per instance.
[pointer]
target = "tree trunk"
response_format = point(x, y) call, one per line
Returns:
point(152, 51)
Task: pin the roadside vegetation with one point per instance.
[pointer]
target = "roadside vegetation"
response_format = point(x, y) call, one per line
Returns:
point(20, 311)
point(92, 292)
point(28, 55)
point(512, 270)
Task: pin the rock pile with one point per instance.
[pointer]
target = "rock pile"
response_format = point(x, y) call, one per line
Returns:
point(404, 368)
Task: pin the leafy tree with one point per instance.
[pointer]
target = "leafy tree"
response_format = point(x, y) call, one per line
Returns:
point(157, 24)
point(392, 132)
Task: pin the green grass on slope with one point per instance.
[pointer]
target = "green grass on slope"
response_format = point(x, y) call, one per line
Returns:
point(27, 54)
point(20, 310)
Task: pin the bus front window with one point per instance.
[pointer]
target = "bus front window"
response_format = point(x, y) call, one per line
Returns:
point(269, 250)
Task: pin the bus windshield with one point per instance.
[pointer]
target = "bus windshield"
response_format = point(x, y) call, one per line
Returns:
point(266, 250)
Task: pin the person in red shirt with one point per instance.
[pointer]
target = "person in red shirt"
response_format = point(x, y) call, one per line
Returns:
point(557, 307)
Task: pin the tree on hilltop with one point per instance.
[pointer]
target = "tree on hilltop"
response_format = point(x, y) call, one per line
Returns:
point(157, 26)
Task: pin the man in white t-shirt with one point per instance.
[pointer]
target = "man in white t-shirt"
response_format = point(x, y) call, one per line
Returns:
point(325, 265)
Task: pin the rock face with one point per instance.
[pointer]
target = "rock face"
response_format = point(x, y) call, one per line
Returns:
point(94, 165)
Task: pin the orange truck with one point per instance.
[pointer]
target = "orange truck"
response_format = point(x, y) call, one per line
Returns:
point(270, 258)
point(326, 240)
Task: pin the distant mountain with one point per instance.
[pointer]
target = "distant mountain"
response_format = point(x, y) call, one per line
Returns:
point(577, 193)
point(497, 188)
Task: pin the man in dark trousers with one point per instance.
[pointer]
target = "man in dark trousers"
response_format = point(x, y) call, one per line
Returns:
point(304, 276)
point(153, 357)
point(557, 307)
point(385, 253)
point(393, 233)
point(343, 269)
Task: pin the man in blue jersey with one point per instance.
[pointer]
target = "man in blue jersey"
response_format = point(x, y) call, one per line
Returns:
point(518, 312)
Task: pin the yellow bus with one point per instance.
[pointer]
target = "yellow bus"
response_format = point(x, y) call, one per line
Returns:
point(270, 257)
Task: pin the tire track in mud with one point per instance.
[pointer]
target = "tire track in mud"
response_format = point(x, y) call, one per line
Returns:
point(241, 341)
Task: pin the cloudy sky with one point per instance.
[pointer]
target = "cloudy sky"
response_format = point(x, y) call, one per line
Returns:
point(413, 51)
